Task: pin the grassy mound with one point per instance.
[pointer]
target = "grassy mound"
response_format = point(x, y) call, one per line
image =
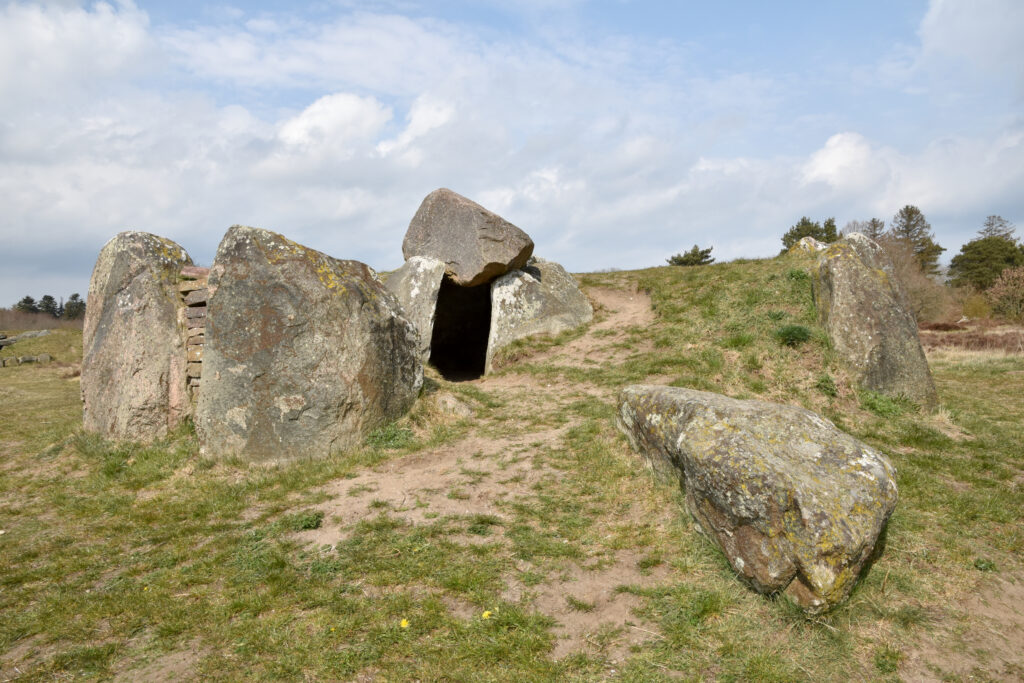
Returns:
point(525, 541)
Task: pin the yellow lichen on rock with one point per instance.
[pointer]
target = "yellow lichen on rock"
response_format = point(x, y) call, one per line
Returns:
point(795, 504)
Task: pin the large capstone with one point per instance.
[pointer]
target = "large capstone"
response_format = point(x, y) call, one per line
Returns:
point(796, 505)
point(417, 285)
point(304, 354)
point(133, 365)
point(868, 318)
point(542, 298)
point(475, 244)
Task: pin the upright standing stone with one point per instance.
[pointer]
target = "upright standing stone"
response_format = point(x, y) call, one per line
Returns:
point(417, 284)
point(476, 245)
point(866, 314)
point(133, 365)
point(304, 354)
point(542, 298)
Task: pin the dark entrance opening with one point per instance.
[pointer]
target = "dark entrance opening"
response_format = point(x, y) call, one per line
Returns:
point(462, 322)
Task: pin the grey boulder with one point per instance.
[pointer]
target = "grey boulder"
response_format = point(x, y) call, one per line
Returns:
point(133, 364)
point(476, 245)
point(808, 245)
point(868, 318)
point(542, 298)
point(416, 285)
point(796, 505)
point(304, 354)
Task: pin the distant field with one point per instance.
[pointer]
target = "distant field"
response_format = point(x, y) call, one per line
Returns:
point(11, 320)
point(504, 530)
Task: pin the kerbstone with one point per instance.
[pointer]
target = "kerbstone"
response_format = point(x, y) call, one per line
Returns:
point(796, 505)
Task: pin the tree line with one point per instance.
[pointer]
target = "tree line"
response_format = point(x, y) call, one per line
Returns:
point(988, 271)
point(72, 309)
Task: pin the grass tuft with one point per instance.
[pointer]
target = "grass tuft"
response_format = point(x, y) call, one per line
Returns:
point(792, 335)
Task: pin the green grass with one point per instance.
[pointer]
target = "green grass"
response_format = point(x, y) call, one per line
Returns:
point(115, 555)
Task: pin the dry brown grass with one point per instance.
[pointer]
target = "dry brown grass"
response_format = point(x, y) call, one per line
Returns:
point(17, 321)
point(1005, 339)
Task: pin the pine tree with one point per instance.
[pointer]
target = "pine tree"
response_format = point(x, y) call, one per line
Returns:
point(27, 305)
point(694, 257)
point(909, 226)
point(74, 307)
point(996, 226)
point(48, 305)
point(981, 261)
point(805, 227)
point(872, 227)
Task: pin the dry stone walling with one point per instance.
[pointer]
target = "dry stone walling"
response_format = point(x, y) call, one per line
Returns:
point(472, 286)
point(299, 354)
point(868, 318)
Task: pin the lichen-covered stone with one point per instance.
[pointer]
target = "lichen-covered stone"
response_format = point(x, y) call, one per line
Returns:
point(133, 365)
point(304, 354)
point(808, 245)
point(476, 245)
point(796, 505)
point(866, 314)
point(542, 298)
point(416, 285)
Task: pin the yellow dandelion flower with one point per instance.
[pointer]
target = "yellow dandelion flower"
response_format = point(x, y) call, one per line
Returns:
point(486, 614)
point(145, 588)
point(332, 629)
point(404, 623)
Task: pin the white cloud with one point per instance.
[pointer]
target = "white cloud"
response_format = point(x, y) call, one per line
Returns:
point(847, 163)
point(387, 54)
point(426, 114)
point(52, 52)
point(602, 162)
point(985, 33)
point(334, 122)
point(966, 49)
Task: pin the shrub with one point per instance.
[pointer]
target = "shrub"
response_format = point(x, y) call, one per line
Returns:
point(976, 306)
point(793, 335)
point(805, 227)
point(929, 299)
point(694, 257)
point(1007, 294)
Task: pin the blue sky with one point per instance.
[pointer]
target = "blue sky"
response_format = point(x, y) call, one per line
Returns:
point(614, 133)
